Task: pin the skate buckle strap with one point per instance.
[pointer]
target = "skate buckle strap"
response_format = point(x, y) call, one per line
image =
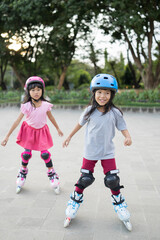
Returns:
point(116, 171)
point(53, 175)
point(80, 200)
point(119, 202)
point(77, 201)
point(85, 171)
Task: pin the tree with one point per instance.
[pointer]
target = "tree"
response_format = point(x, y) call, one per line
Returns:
point(21, 20)
point(4, 58)
point(68, 27)
point(136, 23)
point(29, 20)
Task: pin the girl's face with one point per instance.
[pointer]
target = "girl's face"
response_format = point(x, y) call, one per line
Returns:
point(102, 96)
point(35, 93)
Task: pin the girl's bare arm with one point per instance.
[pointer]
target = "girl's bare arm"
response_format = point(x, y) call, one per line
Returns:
point(127, 140)
point(53, 121)
point(75, 130)
point(15, 124)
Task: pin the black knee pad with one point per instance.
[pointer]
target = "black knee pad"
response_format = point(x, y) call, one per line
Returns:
point(112, 181)
point(45, 155)
point(26, 155)
point(86, 179)
point(49, 164)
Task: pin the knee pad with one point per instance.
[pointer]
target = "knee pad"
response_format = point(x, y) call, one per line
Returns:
point(26, 155)
point(112, 181)
point(46, 156)
point(86, 179)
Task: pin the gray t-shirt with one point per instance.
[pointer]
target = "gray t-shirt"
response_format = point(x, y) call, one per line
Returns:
point(100, 131)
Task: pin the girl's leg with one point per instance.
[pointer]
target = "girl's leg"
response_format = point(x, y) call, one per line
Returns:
point(26, 155)
point(108, 165)
point(53, 177)
point(118, 200)
point(76, 198)
point(87, 169)
point(23, 171)
point(46, 156)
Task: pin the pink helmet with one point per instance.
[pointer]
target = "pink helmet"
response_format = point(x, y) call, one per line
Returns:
point(34, 79)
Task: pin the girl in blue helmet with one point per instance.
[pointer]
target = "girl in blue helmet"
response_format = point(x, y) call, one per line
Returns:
point(101, 118)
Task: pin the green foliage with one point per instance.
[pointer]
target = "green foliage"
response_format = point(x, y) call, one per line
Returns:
point(10, 96)
point(123, 98)
point(69, 97)
point(78, 74)
point(48, 31)
point(131, 97)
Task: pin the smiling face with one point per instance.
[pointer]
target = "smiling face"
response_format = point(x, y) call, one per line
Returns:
point(102, 96)
point(35, 93)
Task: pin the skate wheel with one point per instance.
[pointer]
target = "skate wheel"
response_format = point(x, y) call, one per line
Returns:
point(57, 190)
point(128, 225)
point(67, 222)
point(18, 189)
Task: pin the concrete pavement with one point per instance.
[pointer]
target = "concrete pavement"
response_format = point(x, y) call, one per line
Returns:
point(37, 213)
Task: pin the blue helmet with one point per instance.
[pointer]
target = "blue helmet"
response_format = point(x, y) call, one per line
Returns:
point(104, 81)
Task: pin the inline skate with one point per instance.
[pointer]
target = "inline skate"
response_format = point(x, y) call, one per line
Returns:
point(72, 207)
point(54, 180)
point(120, 207)
point(21, 178)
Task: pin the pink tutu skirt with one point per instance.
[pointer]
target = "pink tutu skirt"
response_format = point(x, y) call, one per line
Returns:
point(34, 139)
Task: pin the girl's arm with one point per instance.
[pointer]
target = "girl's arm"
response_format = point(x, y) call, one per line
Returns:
point(15, 124)
point(127, 140)
point(53, 121)
point(76, 129)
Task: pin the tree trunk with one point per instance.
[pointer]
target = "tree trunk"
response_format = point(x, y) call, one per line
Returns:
point(113, 69)
point(18, 76)
point(148, 79)
point(3, 67)
point(135, 81)
point(62, 77)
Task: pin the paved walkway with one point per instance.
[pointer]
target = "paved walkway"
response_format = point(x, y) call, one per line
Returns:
point(37, 213)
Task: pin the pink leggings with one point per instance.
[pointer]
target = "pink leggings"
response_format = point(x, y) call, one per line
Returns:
point(107, 164)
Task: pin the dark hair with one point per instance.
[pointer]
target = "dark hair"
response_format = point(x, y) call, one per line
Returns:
point(93, 103)
point(28, 98)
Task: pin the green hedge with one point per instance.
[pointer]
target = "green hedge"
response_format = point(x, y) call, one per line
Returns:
point(122, 98)
point(10, 96)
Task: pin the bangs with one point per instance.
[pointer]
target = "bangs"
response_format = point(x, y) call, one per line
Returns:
point(33, 85)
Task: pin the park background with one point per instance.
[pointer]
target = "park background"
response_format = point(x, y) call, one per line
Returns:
point(68, 42)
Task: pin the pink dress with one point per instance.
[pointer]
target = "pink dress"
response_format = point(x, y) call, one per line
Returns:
point(34, 133)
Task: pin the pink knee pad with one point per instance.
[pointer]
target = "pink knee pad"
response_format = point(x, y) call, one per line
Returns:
point(25, 157)
point(46, 156)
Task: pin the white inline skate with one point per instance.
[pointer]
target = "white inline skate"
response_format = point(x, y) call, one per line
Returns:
point(72, 207)
point(21, 178)
point(54, 180)
point(120, 207)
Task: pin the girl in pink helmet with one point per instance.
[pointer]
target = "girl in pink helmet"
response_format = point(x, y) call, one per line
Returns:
point(34, 133)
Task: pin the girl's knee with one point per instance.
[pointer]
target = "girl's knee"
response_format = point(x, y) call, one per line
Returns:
point(26, 155)
point(46, 156)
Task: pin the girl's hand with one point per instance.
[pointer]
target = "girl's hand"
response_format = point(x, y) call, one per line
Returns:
point(60, 133)
point(127, 141)
point(66, 142)
point(4, 142)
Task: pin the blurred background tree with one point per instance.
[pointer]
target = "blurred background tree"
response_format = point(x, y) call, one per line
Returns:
point(40, 37)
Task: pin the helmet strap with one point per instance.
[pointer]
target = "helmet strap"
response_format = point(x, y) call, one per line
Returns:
point(36, 100)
